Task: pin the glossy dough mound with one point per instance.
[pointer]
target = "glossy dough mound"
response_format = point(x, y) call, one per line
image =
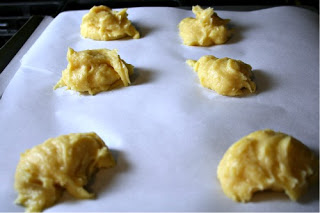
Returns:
point(205, 30)
point(102, 23)
point(267, 160)
point(94, 71)
point(226, 76)
point(65, 162)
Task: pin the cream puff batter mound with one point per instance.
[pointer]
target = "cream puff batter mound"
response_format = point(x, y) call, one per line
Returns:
point(226, 76)
point(205, 30)
point(267, 160)
point(102, 23)
point(65, 162)
point(94, 71)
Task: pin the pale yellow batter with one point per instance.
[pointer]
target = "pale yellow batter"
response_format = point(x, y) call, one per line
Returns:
point(226, 76)
point(205, 30)
point(65, 162)
point(267, 160)
point(94, 71)
point(102, 23)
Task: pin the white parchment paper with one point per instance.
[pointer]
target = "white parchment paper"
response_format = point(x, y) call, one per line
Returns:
point(166, 131)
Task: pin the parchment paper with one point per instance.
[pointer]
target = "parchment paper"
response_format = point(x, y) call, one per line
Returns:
point(166, 131)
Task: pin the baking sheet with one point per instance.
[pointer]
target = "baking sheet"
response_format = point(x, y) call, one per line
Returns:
point(167, 132)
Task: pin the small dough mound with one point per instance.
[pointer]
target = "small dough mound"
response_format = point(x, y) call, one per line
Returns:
point(94, 71)
point(226, 76)
point(104, 24)
point(205, 30)
point(267, 160)
point(67, 161)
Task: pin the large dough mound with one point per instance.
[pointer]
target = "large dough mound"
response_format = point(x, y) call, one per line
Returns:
point(94, 71)
point(67, 161)
point(205, 30)
point(226, 76)
point(267, 160)
point(102, 23)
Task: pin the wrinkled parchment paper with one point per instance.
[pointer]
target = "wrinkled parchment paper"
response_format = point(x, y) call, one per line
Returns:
point(166, 131)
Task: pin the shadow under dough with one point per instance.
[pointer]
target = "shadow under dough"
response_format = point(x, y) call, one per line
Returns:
point(268, 195)
point(264, 81)
point(143, 29)
point(311, 195)
point(236, 33)
point(141, 76)
point(104, 180)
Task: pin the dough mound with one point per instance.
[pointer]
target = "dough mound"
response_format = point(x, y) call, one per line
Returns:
point(205, 30)
point(226, 76)
point(102, 23)
point(267, 160)
point(94, 71)
point(67, 161)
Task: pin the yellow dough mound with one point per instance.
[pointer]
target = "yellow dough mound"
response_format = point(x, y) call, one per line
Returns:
point(205, 30)
point(94, 71)
point(65, 162)
point(226, 76)
point(267, 160)
point(102, 23)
